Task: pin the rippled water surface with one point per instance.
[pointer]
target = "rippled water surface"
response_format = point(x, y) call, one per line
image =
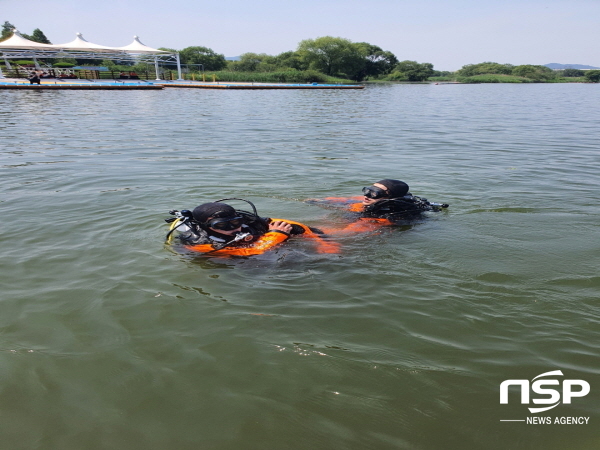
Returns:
point(111, 340)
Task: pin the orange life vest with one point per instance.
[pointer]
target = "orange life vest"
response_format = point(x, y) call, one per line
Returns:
point(266, 242)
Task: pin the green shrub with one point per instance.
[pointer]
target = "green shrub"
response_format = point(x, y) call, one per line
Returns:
point(64, 65)
point(23, 62)
point(471, 70)
point(396, 76)
point(492, 78)
point(414, 71)
point(593, 76)
point(570, 73)
point(534, 73)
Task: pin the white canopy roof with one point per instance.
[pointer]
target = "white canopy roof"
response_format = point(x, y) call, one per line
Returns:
point(137, 47)
point(19, 47)
point(18, 42)
point(79, 43)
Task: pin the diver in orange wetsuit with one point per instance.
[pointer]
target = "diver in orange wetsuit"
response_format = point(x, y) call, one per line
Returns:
point(219, 229)
point(384, 203)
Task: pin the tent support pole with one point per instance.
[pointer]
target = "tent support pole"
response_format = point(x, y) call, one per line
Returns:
point(7, 66)
point(156, 68)
point(178, 68)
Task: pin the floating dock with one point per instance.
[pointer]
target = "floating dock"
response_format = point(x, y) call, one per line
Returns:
point(225, 85)
point(83, 85)
point(145, 85)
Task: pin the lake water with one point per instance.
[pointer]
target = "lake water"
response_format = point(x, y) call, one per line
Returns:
point(111, 340)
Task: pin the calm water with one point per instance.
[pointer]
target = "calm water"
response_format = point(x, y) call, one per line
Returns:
point(111, 340)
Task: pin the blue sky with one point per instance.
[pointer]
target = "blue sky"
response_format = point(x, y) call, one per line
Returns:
point(446, 33)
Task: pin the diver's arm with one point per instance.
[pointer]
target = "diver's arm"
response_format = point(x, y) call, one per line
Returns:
point(297, 228)
point(362, 225)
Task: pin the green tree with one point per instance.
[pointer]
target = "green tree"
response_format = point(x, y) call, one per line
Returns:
point(291, 60)
point(71, 61)
point(593, 76)
point(7, 30)
point(377, 61)
point(484, 68)
point(396, 76)
point(332, 56)
point(39, 36)
point(573, 73)
point(203, 55)
point(535, 73)
point(251, 62)
point(261, 62)
point(414, 71)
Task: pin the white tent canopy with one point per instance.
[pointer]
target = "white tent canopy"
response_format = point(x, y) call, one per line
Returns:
point(19, 47)
point(79, 43)
point(17, 41)
point(137, 46)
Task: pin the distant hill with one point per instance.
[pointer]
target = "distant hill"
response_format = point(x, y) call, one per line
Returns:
point(232, 58)
point(556, 66)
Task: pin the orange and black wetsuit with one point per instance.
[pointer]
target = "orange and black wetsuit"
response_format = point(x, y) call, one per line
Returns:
point(255, 242)
point(385, 212)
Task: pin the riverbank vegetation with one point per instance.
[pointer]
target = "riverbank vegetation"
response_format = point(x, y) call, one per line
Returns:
point(491, 72)
point(329, 59)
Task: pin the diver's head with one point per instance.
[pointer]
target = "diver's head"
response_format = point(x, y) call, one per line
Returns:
point(383, 190)
point(218, 218)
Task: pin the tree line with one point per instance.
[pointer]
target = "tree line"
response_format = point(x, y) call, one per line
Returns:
point(534, 73)
point(332, 56)
point(359, 61)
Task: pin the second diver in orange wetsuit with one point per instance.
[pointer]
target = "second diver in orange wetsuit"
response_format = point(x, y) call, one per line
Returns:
point(384, 203)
